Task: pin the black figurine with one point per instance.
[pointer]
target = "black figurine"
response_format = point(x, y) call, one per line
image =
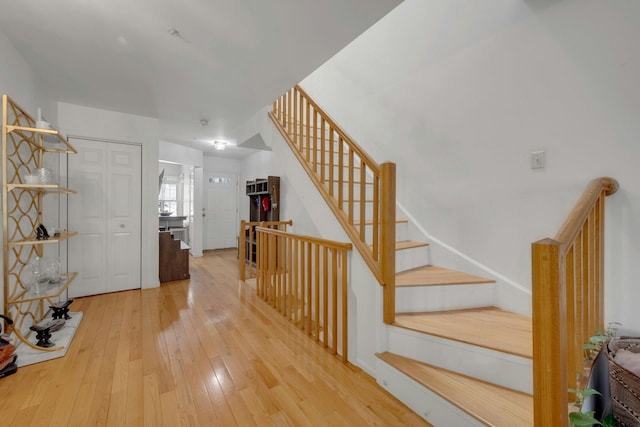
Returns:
point(61, 310)
point(43, 333)
point(41, 233)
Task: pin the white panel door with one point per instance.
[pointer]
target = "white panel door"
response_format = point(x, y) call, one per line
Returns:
point(106, 212)
point(221, 212)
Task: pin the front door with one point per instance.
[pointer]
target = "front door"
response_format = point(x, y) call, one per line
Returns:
point(107, 213)
point(221, 212)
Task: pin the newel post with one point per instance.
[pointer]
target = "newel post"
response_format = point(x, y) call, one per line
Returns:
point(388, 239)
point(550, 387)
point(242, 247)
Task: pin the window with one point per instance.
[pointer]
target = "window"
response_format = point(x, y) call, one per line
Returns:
point(168, 198)
point(220, 180)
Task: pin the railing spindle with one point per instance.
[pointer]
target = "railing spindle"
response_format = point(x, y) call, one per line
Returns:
point(316, 281)
point(334, 295)
point(315, 141)
point(325, 295)
point(331, 161)
point(351, 189)
point(308, 123)
point(309, 290)
point(340, 174)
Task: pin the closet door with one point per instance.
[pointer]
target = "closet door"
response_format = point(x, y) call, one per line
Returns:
point(106, 212)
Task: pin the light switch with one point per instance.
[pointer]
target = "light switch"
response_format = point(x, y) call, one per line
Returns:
point(537, 160)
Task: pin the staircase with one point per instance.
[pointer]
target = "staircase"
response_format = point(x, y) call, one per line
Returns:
point(452, 355)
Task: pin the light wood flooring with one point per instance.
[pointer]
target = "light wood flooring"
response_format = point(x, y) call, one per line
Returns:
point(204, 351)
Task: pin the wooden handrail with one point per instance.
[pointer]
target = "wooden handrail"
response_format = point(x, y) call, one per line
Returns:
point(245, 246)
point(359, 191)
point(305, 278)
point(332, 244)
point(580, 212)
point(568, 302)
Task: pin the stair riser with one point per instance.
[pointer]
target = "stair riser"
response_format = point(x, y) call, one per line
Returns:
point(430, 406)
point(416, 299)
point(499, 368)
point(406, 259)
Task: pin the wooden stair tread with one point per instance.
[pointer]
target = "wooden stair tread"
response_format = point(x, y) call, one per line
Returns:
point(489, 403)
point(487, 327)
point(430, 275)
point(408, 244)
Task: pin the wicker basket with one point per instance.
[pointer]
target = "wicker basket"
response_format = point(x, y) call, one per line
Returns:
point(625, 386)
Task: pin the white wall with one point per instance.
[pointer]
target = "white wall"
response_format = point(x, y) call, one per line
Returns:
point(16, 80)
point(459, 93)
point(262, 164)
point(176, 153)
point(79, 121)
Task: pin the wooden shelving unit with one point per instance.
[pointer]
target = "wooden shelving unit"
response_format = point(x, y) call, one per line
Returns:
point(24, 146)
point(259, 190)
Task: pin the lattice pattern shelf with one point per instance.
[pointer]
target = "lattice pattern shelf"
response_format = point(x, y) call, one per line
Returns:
point(23, 148)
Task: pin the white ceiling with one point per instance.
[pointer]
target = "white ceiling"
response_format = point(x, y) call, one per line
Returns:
point(231, 58)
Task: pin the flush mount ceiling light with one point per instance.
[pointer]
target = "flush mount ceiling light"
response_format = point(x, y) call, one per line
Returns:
point(204, 122)
point(219, 145)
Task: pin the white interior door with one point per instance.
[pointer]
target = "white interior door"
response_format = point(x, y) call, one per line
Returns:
point(106, 212)
point(221, 212)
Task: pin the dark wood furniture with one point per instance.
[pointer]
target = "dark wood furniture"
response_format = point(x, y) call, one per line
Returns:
point(264, 205)
point(174, 258)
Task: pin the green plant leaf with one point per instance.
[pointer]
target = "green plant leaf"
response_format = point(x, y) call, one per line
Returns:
point(589, 392)
point(598, 339)
point(609, 421)
point(583, 419)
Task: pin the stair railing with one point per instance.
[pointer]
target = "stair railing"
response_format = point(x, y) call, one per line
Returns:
point(360, 192)
point(306, 279)
point(247, 245)
point(568, 302)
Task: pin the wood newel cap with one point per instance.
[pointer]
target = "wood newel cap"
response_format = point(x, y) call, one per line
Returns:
point(610, 185)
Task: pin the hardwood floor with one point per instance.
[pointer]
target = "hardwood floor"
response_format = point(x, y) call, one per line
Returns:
point(204, 351)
